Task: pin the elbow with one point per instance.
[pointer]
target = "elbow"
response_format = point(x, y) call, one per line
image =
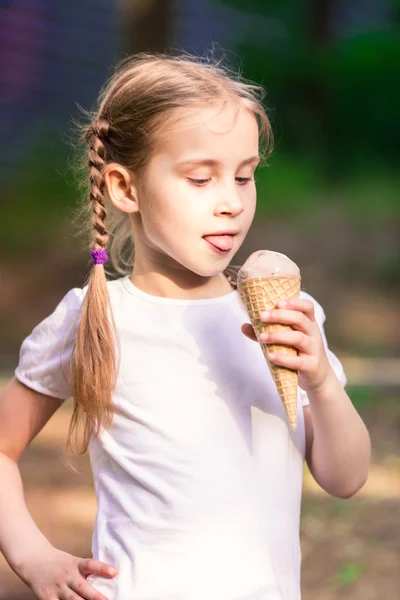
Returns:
point(360, 477)
point(348, 491)
point(346, 494)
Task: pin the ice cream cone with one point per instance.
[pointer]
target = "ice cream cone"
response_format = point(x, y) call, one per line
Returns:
point(263, 293)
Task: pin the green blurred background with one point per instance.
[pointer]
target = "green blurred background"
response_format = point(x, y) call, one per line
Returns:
point(329, 199)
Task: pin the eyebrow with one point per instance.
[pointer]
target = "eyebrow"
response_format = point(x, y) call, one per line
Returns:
point(210, 162)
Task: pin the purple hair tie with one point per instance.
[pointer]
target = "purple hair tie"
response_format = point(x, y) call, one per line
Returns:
point(99, 256)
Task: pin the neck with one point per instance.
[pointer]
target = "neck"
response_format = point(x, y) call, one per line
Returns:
point(167, 286)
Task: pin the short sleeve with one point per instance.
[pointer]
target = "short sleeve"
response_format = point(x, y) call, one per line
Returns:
point(45, 352)
point(333, 359)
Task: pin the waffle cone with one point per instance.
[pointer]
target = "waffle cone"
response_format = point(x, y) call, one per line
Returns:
point(263, 293)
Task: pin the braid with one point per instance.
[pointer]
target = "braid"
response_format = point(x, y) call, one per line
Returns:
point(95, 357)
point(231, 273)
point(96, 136)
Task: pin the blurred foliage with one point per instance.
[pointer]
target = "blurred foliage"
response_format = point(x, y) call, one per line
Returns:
point(38, 200)
point(333, 102)
point(362, 396)
point(349, 573)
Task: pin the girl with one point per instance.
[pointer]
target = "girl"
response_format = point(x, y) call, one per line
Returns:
point(198, 476)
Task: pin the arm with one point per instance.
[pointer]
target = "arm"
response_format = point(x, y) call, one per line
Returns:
point(47, 570)
point(23, 413)
point(337, 441)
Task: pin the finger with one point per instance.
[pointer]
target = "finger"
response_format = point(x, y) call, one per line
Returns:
point(297, 339)
point(248, 331)
point(85, 590)
point(295, 363)
point(87, 566)
point(295, 318)
point(69, 594)
point(305, 306)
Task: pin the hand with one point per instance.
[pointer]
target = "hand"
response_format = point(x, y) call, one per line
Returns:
point(311, 362)
point(56, 575)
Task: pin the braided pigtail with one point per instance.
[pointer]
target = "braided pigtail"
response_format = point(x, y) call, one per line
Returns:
point(231, 273)
point(94, 352)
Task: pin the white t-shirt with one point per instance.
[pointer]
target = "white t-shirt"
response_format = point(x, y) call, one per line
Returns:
point(199, 479)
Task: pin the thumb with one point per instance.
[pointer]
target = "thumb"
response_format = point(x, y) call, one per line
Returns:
point(87, 566)
point(248, 331)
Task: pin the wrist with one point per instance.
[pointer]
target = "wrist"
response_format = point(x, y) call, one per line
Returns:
point(324, 388)
point(22, 558)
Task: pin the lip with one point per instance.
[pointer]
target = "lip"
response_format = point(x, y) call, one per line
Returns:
point(226, 232)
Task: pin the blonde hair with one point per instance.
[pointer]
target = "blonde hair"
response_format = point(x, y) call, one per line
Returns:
point(132, 106)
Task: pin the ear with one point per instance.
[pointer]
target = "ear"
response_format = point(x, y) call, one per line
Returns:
point(121, 188)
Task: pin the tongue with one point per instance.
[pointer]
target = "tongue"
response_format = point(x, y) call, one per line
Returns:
point(223, 242)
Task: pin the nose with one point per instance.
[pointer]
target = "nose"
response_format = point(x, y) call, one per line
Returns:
point(229, 201)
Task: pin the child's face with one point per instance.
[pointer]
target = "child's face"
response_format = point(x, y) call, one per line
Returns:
point(200, 181)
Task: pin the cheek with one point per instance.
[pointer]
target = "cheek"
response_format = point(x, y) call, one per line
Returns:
point(249, 203)
point(168, 211)
point(180, 204)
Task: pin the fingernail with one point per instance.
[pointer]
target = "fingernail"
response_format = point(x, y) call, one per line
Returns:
point(265, 314)
point(282, 303)
point(111, 571)
point(264, 337)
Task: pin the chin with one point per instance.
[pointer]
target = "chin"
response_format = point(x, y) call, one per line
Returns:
point(216, 268)
point(215, 272)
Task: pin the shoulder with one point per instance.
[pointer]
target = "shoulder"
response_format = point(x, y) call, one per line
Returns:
point(72, 301)
point(75, 296)
point(64, 313)
point(45, 353)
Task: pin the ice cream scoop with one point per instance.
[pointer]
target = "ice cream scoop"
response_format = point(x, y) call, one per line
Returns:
point(266, 263)
point(264, 279)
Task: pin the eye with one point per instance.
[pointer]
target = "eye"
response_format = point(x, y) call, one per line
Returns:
point(243, 180)
point(199, 182)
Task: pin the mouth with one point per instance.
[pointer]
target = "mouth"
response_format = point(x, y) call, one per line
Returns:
point(221, 243)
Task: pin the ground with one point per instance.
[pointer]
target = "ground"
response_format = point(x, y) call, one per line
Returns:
point(350, 548)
